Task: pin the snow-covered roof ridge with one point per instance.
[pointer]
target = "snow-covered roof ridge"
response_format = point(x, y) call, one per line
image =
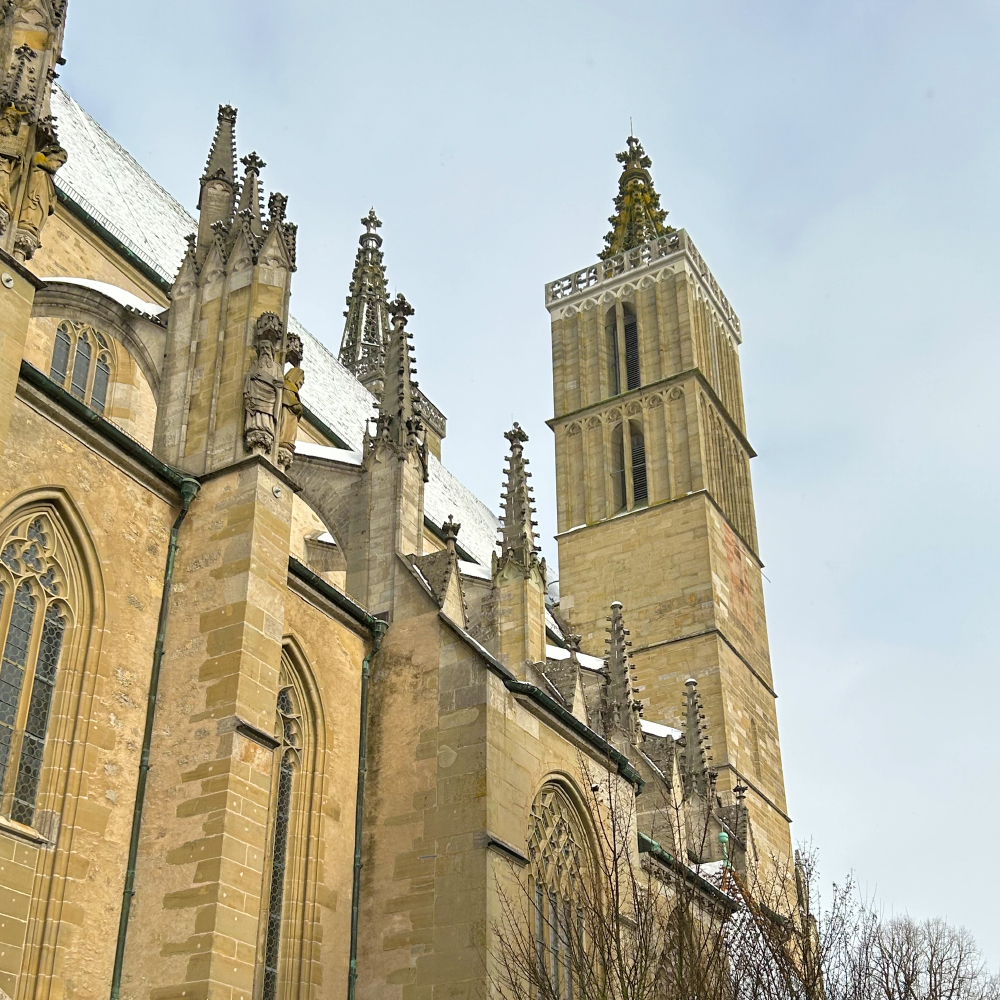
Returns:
point(106, 181)
point(120, 295)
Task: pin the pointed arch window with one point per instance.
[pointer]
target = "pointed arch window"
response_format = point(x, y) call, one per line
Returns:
point(288, 761)
point(619, 497)
point(33, 622)
point(83, 363)
point(556, 856)
point(611, 344)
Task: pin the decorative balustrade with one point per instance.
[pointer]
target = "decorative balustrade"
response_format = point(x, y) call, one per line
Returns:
point(640, 257)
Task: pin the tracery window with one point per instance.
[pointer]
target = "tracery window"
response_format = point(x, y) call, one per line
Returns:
point(640, 485)
point(556, 858)
point(632, 374)
point(288, 761)
point(82, 362)
point(619, 497)
point(611, 339)
point(33, 622)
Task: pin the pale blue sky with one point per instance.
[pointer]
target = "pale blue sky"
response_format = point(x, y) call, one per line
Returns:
point(836, 164)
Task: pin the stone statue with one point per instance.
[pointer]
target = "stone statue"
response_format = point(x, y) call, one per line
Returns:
point(260, 387)
point(13, 145)
point(291, 413)
point(40, 198)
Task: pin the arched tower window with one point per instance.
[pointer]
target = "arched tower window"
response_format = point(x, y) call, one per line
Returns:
point(640, 488)
point(556, 855)
point(92, 369)
point(288, 762)
point(611, 344)
point(632, 373)
point(33, 621)
point(619, 497)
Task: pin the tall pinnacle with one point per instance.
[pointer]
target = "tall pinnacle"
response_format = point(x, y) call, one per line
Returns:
point(517, 542)
point(217, 195)
point(621, 710)
point(398, 423)
point(694, 762)
point(366, 330)
point(638, 217)
point(251, 200)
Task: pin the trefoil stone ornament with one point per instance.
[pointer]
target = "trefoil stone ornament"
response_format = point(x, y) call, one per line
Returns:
point(261, 385)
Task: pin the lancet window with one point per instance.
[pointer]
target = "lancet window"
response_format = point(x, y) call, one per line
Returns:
point(33, 622)
point(288, 763)
point(640, 485)
point(614, 339)
point(83, 363)
point(556, 856)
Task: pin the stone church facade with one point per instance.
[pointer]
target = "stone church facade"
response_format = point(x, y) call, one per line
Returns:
point(281, 700)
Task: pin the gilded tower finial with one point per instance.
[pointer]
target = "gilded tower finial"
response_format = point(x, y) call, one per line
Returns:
point(638, 217)
point(517, 540)
point(621, 710)
point(366, 329)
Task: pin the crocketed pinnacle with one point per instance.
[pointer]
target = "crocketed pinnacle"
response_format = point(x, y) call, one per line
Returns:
point(398, 424)
point(638, 217)
point(694, 761)
point(621, 709)
point(517, 540)
point(221, 163)
point(251, 206)
point(366, 329)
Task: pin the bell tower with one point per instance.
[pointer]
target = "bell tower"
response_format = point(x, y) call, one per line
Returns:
point(655, 507)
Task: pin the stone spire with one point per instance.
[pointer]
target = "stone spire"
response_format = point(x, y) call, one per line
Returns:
point(398, 423)
point(620, 710)
point(366, 330)
point(518, 575)
point(638, 217)
point(695, 772)
point(517, 541)
point(217, 198)
point(251, 207)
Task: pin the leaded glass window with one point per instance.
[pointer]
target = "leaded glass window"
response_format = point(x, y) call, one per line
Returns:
point(33, 621)
point(288, 762)
point(91, 373)
point(556, 858)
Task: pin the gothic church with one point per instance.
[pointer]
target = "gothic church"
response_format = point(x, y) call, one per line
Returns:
point(280, 699)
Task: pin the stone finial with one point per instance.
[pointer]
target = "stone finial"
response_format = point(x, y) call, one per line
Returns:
point(517, 529)
point(450, 530)
point(221, 164)
point(638, 217)
point(695, 772)
point(250, 207)
point(365, 340)
point(621, 710)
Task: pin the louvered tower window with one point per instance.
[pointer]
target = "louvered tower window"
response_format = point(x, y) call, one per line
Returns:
point(288, 761)
point(32, 624)
point(640, 491)
point(632, 373)
point(90, 374)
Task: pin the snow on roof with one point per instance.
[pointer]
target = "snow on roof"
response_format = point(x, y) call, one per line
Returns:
point(552, 625)
point(585, 660)
point(109, 184)
point(120, 295)
point(323, 451)
point(658, 729)
point(467, 568)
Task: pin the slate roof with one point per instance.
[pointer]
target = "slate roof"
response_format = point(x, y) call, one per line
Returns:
point(110, 185)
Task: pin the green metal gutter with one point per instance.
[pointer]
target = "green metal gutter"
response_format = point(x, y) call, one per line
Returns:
point(112, 241)
point(536, 694)
point(649, 846)
point(108, 430)
point(333, 595)
point(189, 490)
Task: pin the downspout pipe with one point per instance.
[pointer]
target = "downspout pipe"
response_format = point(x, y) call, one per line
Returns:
point(189, 490)
point(378, 630)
